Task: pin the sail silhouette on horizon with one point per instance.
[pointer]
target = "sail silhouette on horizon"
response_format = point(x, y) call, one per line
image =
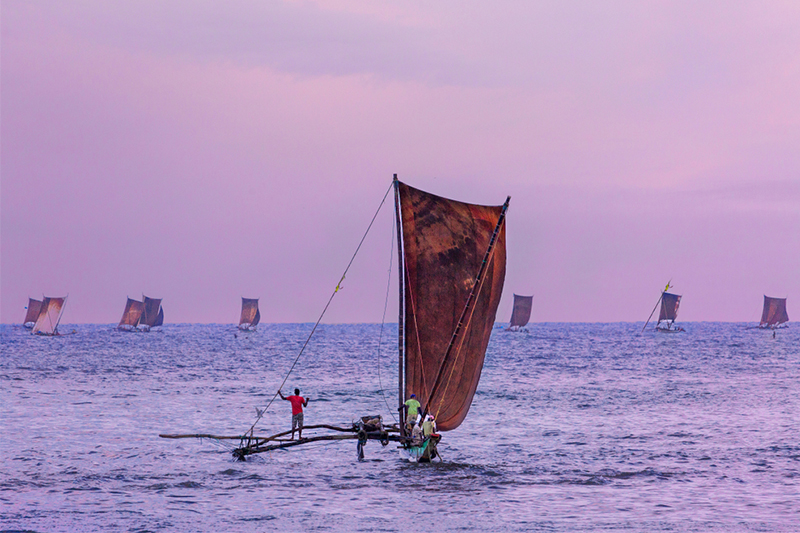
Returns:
point(250, 316)
point(523, 305)
point(34, 306)
point(131, 315)
point(774, 313)
point(49, 316)
point(152, 313)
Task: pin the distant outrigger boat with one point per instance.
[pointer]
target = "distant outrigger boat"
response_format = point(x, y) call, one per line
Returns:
point(774, 313)
point(141, 316)
point(250, 316)
point(49, 316)
point(668, 313)
point(152, 315)
point(34, 306)
point(523, 305)
point(452, 256)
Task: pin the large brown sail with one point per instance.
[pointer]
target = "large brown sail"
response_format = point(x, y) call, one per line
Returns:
point(250, 316)
point(49, 316)
point(523, 305)
point(669, 306)
point(774, 312)
point(132, 314)
point(34, 306)
point(150, 313)
point(444, 245)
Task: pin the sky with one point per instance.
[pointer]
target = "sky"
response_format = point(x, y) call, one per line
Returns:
point(204, 151)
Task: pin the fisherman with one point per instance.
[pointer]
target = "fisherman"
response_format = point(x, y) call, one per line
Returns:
point(416, 436)
point(412, 409)
point(298, 402)
point(429, 426)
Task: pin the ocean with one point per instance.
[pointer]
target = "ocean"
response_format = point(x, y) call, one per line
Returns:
point(574, 427)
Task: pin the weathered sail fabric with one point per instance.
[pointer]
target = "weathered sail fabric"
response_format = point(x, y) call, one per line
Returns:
point(250, 316)
point(669, 306)
point(774, 312)
point(444, 243)
point(132, 314)
point(34, 306)
point(523, 305)
point(150, 313)
point(49, 316)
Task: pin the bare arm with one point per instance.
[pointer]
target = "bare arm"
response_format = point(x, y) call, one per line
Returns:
point(305, 403)
point(282, 396)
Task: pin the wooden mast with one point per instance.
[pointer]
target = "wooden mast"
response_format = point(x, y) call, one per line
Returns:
point(400, 319)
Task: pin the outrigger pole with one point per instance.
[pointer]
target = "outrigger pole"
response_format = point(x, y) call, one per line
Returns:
point(260, 444)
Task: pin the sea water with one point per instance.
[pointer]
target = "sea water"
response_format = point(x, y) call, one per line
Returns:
point(574, 427)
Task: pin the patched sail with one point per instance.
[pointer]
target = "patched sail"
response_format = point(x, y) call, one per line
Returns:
point(132, 314)
point(152, 313)
point(444, 245)
point(34, 306)
point(774, 312)
point(523, 305)
point(49, 316)
point(251, 315)
point(669, 307)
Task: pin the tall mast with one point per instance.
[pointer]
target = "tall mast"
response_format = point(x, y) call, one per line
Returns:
point(401, 314)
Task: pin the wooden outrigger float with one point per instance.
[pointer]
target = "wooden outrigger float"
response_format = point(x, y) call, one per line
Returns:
point(452, 259)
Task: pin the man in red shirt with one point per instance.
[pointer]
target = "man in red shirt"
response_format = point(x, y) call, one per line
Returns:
point(298, 402)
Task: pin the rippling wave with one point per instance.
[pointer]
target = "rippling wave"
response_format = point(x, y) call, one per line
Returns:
point(574, 427)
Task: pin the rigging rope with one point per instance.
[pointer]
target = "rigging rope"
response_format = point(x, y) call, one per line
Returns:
point(383, 321)
point(302, 349)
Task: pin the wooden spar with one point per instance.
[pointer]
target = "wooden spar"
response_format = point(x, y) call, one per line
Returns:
point(401, 311)
point(241, 437)
point(241, 453)
point(471, 296)
point(654, 310)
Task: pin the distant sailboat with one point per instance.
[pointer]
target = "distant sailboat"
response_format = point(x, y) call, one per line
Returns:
point(152, 314)
point(131, 316)
point(668, 313)
point(774, 313)
point(523, 305)
point(49, 316)
point(251, 315)
point(34, 306)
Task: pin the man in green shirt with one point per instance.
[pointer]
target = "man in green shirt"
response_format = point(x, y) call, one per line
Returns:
point(412, 409)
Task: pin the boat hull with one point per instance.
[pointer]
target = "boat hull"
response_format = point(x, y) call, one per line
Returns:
point(424, 453)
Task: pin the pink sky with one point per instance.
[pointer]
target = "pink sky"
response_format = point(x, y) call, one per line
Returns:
point(204, 151)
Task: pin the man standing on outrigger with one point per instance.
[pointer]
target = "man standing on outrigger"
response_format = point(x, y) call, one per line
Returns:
point(298, 402)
